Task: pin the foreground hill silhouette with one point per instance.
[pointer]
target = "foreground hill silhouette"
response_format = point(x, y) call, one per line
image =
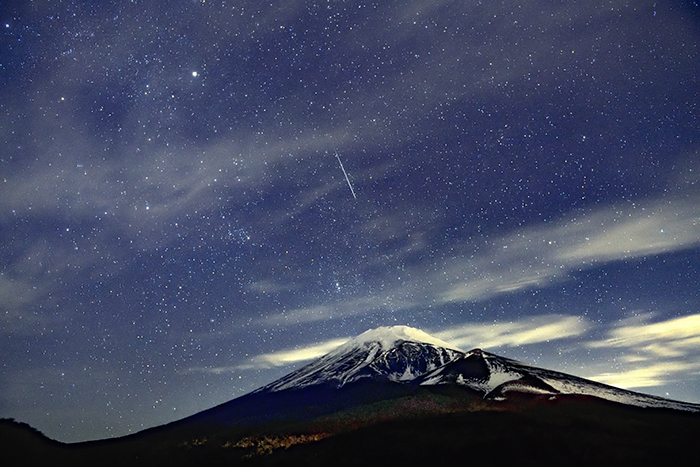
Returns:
point(399, 395)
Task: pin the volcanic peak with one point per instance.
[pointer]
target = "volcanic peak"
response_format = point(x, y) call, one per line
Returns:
point(396, 353)
point(389, 336)
point(402, 354)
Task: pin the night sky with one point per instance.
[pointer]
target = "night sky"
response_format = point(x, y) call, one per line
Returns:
point(176, 228)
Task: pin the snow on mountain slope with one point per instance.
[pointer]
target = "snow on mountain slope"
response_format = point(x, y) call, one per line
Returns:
point(388, 336)
point(569, 384)
point(397, 353)
point(496, 376)
point(404, 354)
point(475, 369)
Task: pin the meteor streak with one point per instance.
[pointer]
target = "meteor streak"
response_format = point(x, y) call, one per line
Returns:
point(346, 176)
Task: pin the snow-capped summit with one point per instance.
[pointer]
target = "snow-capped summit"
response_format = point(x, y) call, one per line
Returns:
point(387, 336)
point(396, 353)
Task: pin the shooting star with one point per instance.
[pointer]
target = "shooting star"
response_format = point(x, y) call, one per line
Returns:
point(346, 176)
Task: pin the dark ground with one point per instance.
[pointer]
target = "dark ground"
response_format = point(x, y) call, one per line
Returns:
point(572, 431)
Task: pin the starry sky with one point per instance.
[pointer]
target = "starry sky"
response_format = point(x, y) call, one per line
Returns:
point(197, 197)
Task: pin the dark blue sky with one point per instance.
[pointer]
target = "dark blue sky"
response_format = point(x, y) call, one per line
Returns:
point(176, 229)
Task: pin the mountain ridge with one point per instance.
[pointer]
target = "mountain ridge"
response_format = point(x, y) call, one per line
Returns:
point(402, 354)
point(397, 353)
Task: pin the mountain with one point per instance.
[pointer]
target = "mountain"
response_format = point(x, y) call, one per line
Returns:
point(407, 355)
point(397, 354)
point(368, 378)
point(398, 395)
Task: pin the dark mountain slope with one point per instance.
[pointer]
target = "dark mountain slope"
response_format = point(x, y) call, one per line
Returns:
point(572, 431)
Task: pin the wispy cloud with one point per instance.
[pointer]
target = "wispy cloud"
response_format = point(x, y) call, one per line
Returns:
point(538, 329)
point(671, 338)
point(652, 375)
point(614, 234)
point(279, 358)
point(292, 356)
point(538, 256)
point(652, 354)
